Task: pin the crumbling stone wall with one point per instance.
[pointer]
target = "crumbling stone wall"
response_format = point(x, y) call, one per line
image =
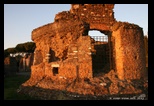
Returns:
point(77, 64)
point(58, 36)
point(53, 40)
point(63, 48)
point(98, 15)
point(56, 39)
point(129, 51)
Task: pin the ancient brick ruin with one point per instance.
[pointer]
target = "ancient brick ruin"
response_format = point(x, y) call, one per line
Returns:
point(14, 64)
point(64, 50)
point(10, 65)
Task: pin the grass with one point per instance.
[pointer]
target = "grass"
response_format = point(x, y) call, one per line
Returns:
point(11, 84)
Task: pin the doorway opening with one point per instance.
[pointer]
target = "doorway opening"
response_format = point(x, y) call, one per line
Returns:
point(55, 71)
point(100, 52)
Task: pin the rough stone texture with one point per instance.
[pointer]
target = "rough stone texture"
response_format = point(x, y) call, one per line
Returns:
point(98, 88)
point(37, 74)
point(100, 16)
point(129, 51)
point(57, 37)
point(63, 54)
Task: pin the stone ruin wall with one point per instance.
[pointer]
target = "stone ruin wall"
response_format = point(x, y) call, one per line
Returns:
point(100, 16)
point(18, 64)
point(58, 39)
point(70, 30)
point(128, 50)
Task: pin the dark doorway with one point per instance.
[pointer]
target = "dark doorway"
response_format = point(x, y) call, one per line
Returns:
point(100, 52)
point(55, 71)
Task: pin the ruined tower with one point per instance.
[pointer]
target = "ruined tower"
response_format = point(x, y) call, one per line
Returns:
point(64, 48)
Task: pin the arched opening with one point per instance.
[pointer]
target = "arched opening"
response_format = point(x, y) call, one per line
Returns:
point(100, 52)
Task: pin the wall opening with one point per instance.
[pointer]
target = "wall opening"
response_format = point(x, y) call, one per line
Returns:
point(100, 52)
point(52, 56)
point(55, 71)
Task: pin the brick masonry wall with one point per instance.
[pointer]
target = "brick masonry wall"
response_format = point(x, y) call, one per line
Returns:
point(129, 52)
point(94, 13)
point(72, 26)
point(63, 50)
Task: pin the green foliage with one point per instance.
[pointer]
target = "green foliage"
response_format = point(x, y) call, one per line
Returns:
point(29, 47)
point(8, 51)
point(22, 47)
point(11, 50)
point(26, 47)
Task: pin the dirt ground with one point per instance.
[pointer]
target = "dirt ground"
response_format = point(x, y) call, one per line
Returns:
point(101, 87)
point(46, 94)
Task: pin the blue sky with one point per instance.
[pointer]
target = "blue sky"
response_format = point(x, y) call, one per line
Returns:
point(21, 19)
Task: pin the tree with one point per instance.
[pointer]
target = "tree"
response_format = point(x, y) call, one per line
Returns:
point(29, 46)
point(20, 48)
point(11, 50)
point(8, 51)
point(26, 47)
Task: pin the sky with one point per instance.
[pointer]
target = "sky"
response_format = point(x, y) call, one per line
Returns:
point(21, 19)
